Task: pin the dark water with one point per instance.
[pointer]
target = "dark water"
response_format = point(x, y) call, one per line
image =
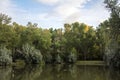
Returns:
point(59, 72)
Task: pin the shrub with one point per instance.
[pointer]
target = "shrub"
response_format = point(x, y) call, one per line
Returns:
point(58, 59)
point(48, 58)
point(72, 56)
point(115, 61)
point(31, 55)
point(112, 55)
point(5, 56)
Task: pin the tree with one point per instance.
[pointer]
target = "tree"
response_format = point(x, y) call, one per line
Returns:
point(5, 56)
point(103, 36)
point(31, 55)
point(113, 47)
point(83, 38)
point(4, 19)
point(114, 7)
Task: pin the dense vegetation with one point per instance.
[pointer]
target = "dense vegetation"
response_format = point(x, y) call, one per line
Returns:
point(77, 41)
point(112, 47)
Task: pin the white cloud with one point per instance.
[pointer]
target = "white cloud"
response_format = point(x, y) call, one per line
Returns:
point(67, 11)
point(72, 18)
point(5, 6)
point(8, 7)
point(66, 8)
point(48, 2)
point(70, 11)
point(63, 11)
point(95, 15)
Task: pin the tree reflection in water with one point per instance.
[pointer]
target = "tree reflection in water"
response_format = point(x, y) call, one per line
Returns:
point(5, 73)
point(59, 72)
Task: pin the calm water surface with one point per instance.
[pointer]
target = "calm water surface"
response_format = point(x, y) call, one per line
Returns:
point(59, 72)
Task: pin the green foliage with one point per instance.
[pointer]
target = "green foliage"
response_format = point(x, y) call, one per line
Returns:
point(58, 59)
point(113, 6)
point(4, 19)
point(31, 54)
point(112, 45)
point(44, 42)
point(48, 58)
point(77, 41)
point(115, 60)
point(72, 57)
point(81, 37)
point(5, 56)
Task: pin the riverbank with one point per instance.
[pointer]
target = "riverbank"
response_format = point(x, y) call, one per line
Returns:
point(90, 63)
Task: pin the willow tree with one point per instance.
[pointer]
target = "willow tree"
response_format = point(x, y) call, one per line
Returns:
point(4, 19)
point(113, 47)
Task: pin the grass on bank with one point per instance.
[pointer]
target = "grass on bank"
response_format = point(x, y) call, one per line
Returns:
point(22, 63)
point(19, 64)
point(91, 63)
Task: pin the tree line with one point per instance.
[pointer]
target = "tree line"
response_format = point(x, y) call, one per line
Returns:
point(77, 41)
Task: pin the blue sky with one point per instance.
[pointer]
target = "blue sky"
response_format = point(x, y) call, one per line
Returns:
point(54, 13)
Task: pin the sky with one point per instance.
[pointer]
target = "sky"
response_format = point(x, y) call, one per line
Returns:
point(55, 13)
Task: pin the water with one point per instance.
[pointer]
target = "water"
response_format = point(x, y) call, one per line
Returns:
point(59, 72)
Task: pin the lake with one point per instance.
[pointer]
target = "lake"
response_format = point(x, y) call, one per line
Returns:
point(59, 72)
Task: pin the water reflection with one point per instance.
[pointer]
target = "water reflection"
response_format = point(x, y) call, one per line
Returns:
point(59, 72)
point(27, 73)
point(5, 73)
